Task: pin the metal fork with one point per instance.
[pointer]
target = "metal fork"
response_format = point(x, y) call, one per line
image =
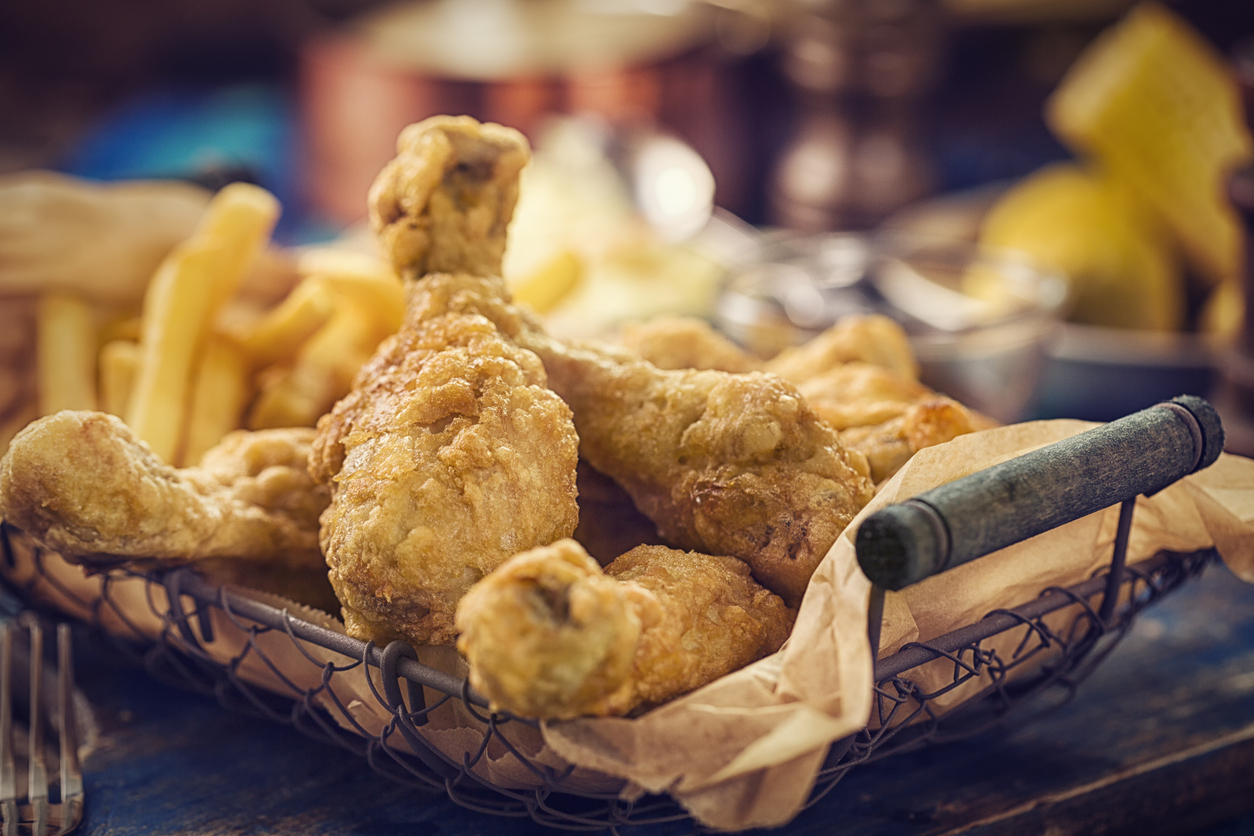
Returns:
point(37, 814)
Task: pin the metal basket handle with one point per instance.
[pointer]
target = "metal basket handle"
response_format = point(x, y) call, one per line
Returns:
point(1038, 491)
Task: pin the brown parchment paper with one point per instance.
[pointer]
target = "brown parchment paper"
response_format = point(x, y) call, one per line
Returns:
point(744, 751)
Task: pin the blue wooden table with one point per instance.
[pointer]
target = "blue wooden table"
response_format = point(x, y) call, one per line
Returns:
point(1159, 740)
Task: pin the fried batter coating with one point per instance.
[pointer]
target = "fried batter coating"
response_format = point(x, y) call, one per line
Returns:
point(886, 417)
point(82, 484)
point(721, 463)
point(873, 339)
point(733, 464)
point(548, 635)
point(889, 445)
point(685, 342)
point(859, 376)
point(444, 203)
point(450, 454)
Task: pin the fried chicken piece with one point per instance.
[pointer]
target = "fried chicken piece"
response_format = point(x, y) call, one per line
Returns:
point(549, 635)
point(857, 394)
point(443, 205)
point(859, 376)
point(450, 454)
point(873, 339)
point(82, 484)
point(889, 445)
point(734, 464)
point(886, 417)
point(721, 463)
point(685, 342)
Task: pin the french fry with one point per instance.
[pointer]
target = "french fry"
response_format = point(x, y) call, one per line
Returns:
point(176, 318)
point(382, 297)
point(367, 280)
point(126, 328)
point(332, 279)
point(65, 353)
point(239, 316)
point(119, 360)
point(285, 328)
point(239, 219)
point(316, 261)
point(220, 391)
point(183, 298)
point(322, 373)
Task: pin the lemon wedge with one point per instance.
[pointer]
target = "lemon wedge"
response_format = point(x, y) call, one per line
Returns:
point(1088, 226)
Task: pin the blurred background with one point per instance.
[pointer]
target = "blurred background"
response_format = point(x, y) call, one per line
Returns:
point(719, 124)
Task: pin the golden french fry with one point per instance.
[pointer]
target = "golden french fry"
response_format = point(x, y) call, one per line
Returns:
point(366, 279)
point(183, 298)
point(1223, 312)
point(322, 374)
point(126, 328)
point(279, 334)
point(316, 261)
point(177, 310)
point(65, 353)
point(333, 279)
point(549, 284)
point(381, 297)
point(239, 220)
point(119, 361)
point(220, 392)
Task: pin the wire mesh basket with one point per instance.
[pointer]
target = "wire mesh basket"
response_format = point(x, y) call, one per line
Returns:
point(257, 656)
point(904, 716)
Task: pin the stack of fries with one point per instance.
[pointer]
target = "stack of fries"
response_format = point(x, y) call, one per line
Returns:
point(198, 362)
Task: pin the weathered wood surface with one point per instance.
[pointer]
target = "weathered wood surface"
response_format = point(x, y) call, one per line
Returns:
point(1159, 741)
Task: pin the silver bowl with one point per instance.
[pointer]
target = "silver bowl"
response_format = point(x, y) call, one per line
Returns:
point(987, 351)
point(1100, 374)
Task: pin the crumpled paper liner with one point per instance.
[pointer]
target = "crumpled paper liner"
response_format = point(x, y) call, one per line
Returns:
point(744, 751)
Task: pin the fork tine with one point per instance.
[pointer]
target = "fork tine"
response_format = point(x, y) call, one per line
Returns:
point(71, 770)
point(37, 791)
point(8, 765)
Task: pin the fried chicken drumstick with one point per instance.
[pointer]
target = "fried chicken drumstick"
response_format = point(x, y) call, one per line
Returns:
point(450, 454)
point(860, 376)
point(728, 464)
point(83, 485)
point(549, 635)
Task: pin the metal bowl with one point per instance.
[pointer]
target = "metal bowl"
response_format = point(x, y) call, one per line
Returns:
point(1099, 374)
point(987, 350)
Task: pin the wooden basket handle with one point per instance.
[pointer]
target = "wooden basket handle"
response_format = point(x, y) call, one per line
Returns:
point(970, 517)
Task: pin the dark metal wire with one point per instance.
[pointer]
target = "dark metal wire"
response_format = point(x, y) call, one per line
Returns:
point(1021, 662)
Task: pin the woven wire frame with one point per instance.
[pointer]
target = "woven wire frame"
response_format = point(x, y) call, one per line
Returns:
point(1055, 641)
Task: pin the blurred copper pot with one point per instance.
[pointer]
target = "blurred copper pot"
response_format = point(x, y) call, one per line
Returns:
point(663, 62)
